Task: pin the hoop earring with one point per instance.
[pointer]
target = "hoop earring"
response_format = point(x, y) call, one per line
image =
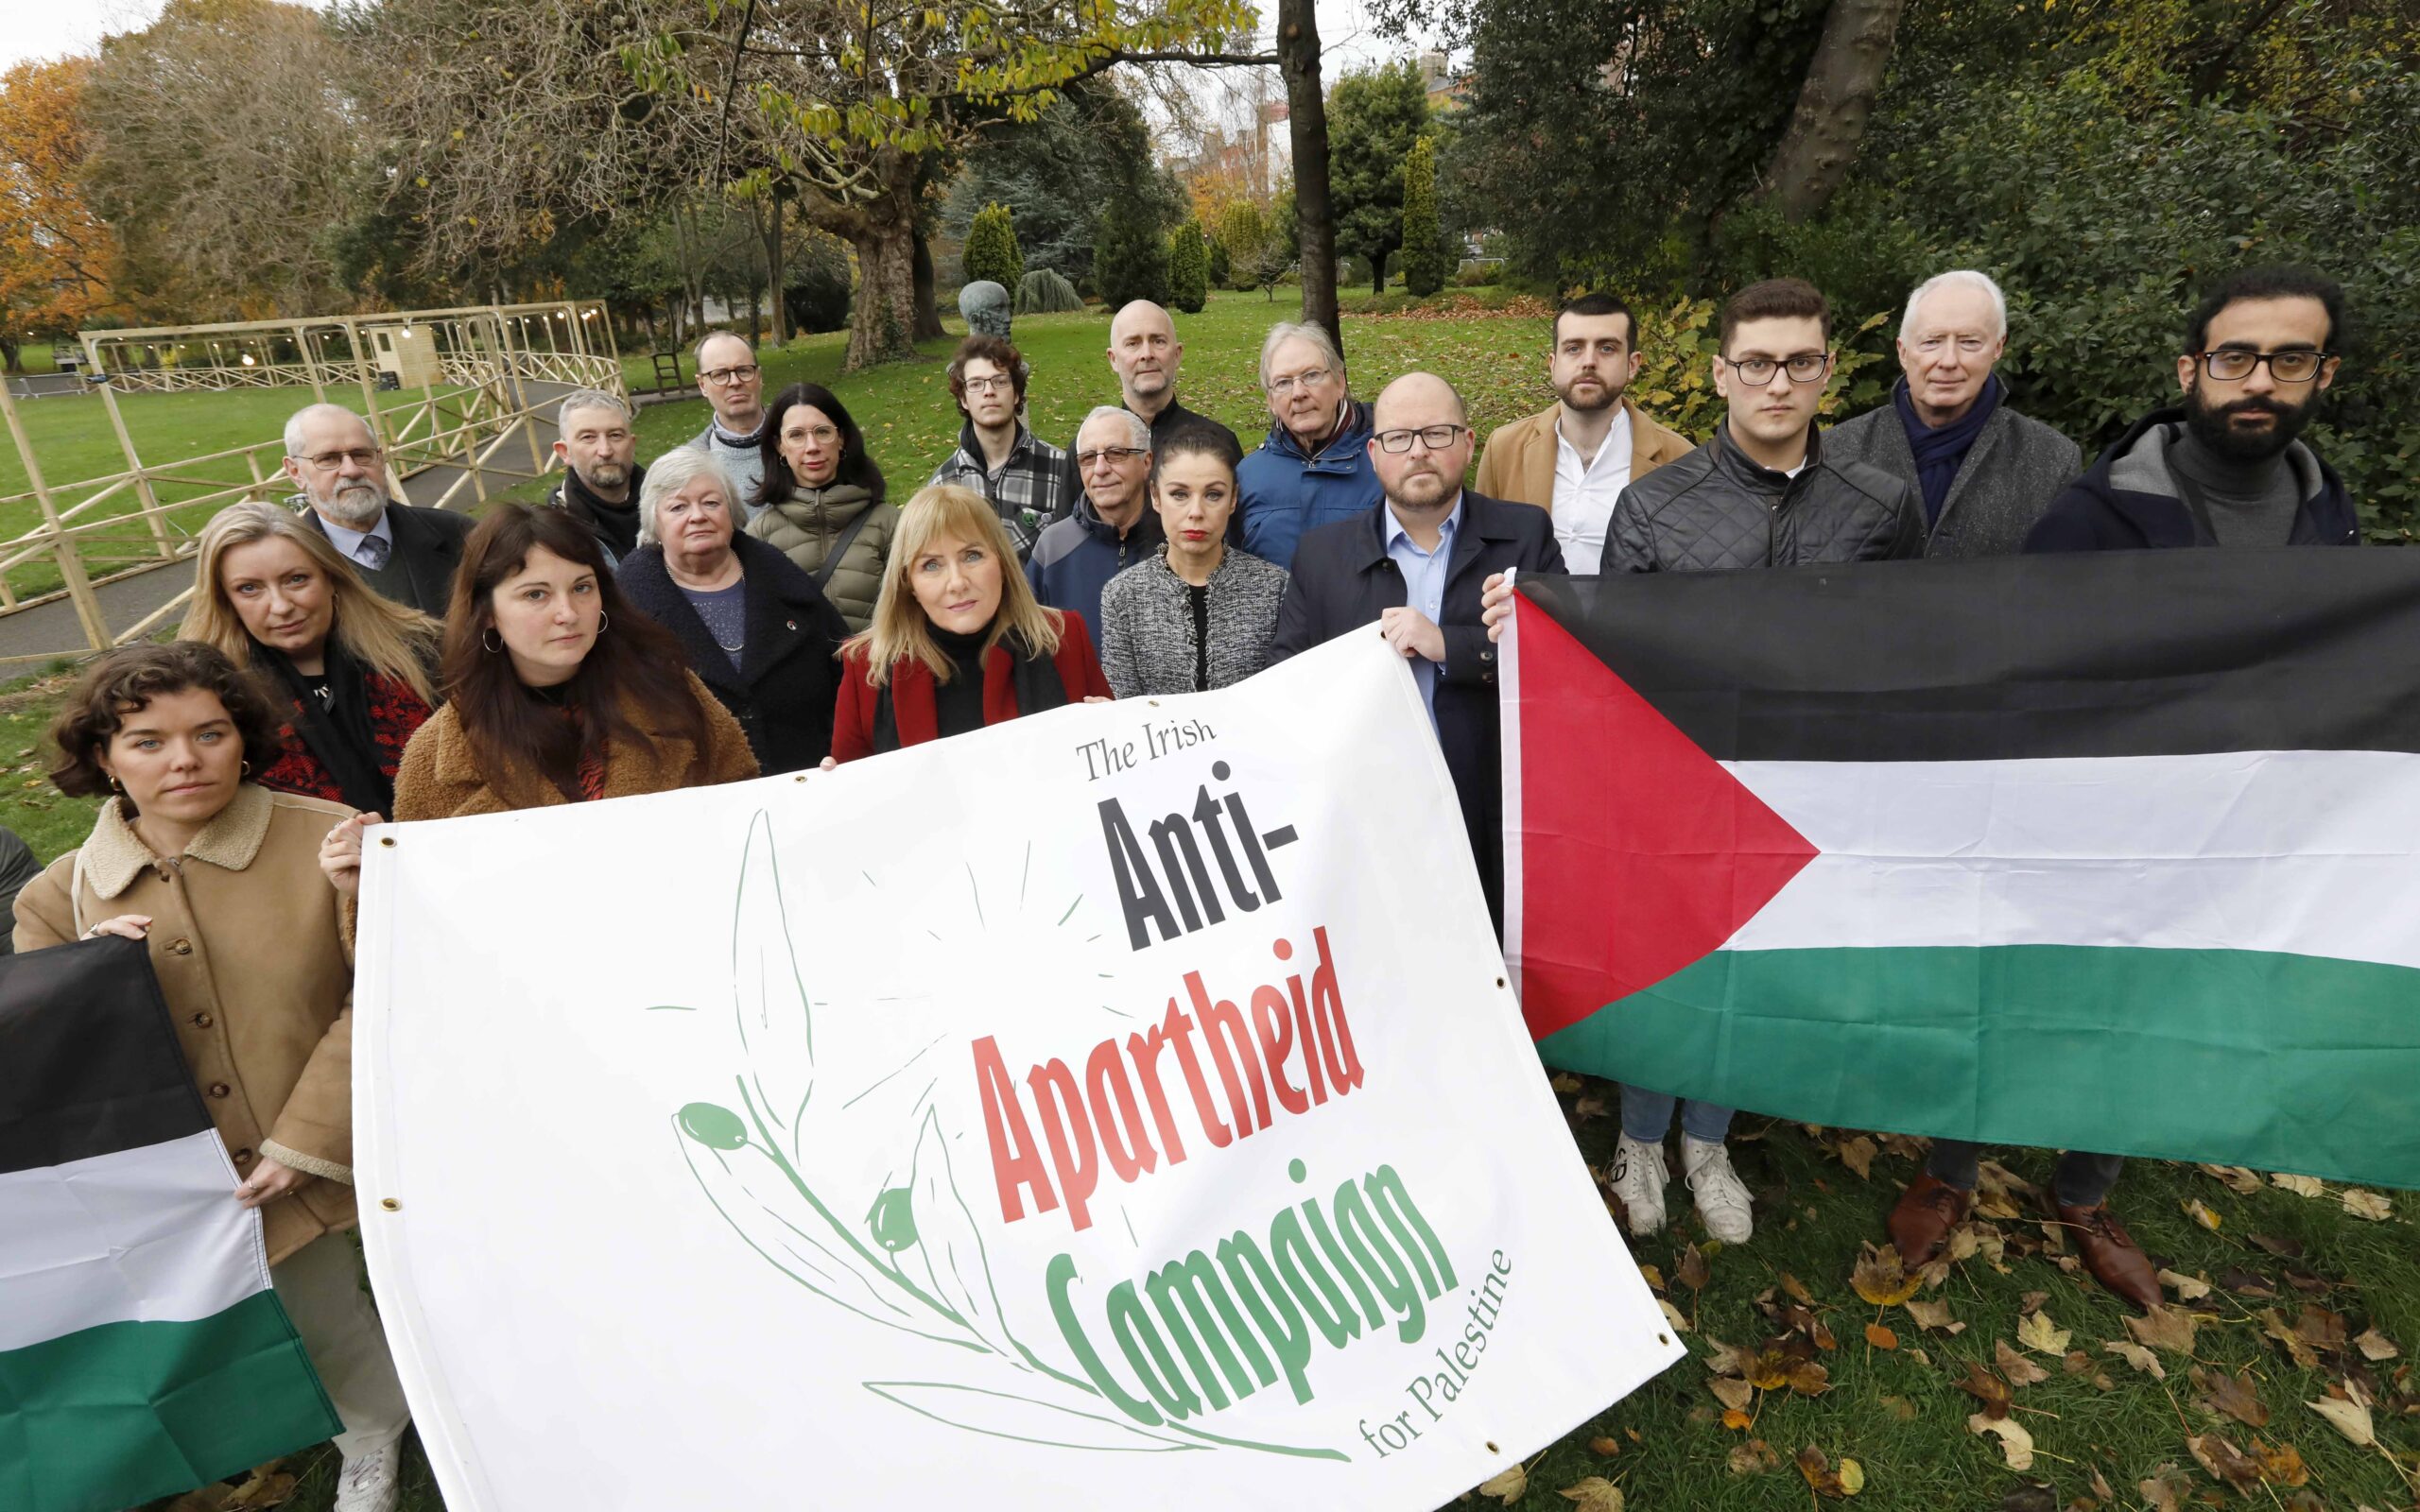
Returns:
point(601, 622)
point(116, 786)
point(483, 640)
point(245, 772)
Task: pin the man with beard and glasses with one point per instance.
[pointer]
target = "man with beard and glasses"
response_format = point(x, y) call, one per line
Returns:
point(1573, 459)
point(2225, 468)
point(407, 554)
point(601, 476)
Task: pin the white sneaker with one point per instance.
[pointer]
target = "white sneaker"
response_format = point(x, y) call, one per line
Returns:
point(1640, 1178)
point(1722, 1198)
point(373, 1483)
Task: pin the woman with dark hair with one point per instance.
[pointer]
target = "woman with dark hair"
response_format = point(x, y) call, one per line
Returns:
point(350, 668)
point(755, 628)
point(821, 503)
point(220, 877)
point(958, 640)
point(1201, 613)
point(558, 691)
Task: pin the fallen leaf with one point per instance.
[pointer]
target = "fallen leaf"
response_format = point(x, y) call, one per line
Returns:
point(1900, 1407)
point(1986, 1388)
point(1595, 1494)
point(1769, 1370)
point(1738, 1421)
point(2224, 1460)
point(1692, 1272)
point(2077, 1361)
point(1653, 1278)
point(1726, 1359)
point(1673, 1315)
point(1564, 1082)
point(1932, 1316)
point(2038, 1333)
point(1591, 1106)
point(2246, 1283)
point(2033, 1496)
point(1846, 1481)
point(2301, 1186)
point(2166, 1489)
point(1878, 1277)
point(1797, 1289)
point(1852, 1476)
point(2187, 1288)
point(1606, 1446)
point(1755, 1457)
point(1507, 1485)
point(1857, 1154)
point(2020, 1370)
point(2297, 1349)
point(2234, 1396)
point(2140, 1358)
point(1807, 1379)
point(2368, 1205)
point(2282, 1248)
point(2374, 1346)
point(2320, 1328)
point(2165, 1327)
point(2351, 1419)
point(2281, 1466)
point(2015, 1441)
point(1882, 1338)
point(2239, 1179)
point(2102, 1488)
point(2199, 1211)
point(1731, 1392)
point(1920, 1358)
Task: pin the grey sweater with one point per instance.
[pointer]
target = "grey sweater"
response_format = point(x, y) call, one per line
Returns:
point(1148, 646)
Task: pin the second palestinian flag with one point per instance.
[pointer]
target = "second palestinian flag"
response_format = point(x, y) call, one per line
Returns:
point(2119, 854)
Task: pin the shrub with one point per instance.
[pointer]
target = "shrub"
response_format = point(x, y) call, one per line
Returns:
point(1045, 292)
point(1677, 344)
point(1129, 257)
point(1425, 259)
point(1222, 268)
point(1188, 267)
point(991, 249)
point(815, 284)
point(1477, 275)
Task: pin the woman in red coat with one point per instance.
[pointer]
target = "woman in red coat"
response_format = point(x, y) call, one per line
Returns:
point(957, 641)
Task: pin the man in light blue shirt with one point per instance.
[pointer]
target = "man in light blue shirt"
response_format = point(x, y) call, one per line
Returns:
point(1424, 570)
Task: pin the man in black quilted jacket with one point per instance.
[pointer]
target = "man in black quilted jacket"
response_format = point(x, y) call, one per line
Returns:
point(1762, 494)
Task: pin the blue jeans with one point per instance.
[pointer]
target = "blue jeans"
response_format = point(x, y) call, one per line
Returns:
point(1648, 1116)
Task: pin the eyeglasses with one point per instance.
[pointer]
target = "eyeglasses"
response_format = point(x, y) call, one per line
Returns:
point(1435, 437)
point(728, 375)
point(2234, 363)
point(1307, 379)
point(1806, 368)
point(1088, 460)
point(820, 435)
point(330, 461)
point(988, 385)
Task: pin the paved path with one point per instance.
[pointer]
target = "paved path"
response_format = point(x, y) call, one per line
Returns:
point(52, 629)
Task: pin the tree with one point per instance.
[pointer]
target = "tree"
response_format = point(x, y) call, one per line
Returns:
point(1424, 264)
point(1376, 116)
point(56, 256)
point(1222, 267)
point(991, 249)
point(1250, 235)
point(1188, 267)
point(1834, 104)
point(1087, 148)
point(1310, 218)
point(1130, 258)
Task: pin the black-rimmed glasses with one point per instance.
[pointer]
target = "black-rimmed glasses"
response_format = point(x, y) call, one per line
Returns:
point(2297, 365)
point(1805, 368)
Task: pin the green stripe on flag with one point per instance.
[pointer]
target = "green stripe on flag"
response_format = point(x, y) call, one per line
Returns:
point(117, 1414)
point(2276, 1061)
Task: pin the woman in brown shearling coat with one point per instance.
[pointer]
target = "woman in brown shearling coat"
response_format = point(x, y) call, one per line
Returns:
point(220, 878)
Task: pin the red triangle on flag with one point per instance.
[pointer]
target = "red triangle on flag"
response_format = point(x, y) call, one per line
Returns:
point(1631, 853)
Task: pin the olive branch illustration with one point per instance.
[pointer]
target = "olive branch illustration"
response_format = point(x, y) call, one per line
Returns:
point(916, 1263)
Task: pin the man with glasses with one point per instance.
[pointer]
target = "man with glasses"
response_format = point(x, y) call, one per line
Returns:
point(1762, 494)
point(601, 476)
point(404, 553)
point(1412, 564)
point(1027, 480)
point(1314, 468)
point(2225, 468)
point(734, 386)
point(1114, 525)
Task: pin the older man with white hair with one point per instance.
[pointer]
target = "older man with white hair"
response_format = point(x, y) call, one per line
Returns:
point(1315, 467)
point(1986, 473)
point(1112, 526)
point(599, 448)
point(406, 553)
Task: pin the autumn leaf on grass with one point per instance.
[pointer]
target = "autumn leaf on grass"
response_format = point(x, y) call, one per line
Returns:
point(2241, 1181)
point(1738, 1421)
point(1605, 1445)
point(1934, 1317)
point(2015, 1441)
point(1879, 1279)
point(1754, 1457)
point(2140, 1358)
point(2038, 1333)
point(2234, 1396)
point(2222, 1459)
point(1847, 1480)
point(2374, 1346)
point(1595, 1494)
point(1986, 1388)
point(2187, 1288)
point(2298, 1349)
point(2020, 1370)
point(1692, 1272)
point(2349, 1415)
point(2165, 1327)
point(2368, 1205)
point(1880, 1337)
point(2197, 1211)
point(2301, 1186)
point(2281, 1466)
point(2320, 1329)
point(1731, 1392)
point(1857, 1154)
point(1509, 1485)
point(2169, 1489)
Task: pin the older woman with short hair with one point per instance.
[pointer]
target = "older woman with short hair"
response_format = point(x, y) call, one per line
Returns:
point(757, 631)
point(958, 642)
point(348, 669)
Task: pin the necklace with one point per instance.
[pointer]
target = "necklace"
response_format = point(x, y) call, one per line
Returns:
point(732, 650)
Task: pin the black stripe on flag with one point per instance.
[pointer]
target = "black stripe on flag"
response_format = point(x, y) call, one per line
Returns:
point(2146, 653)
point(89, 1062)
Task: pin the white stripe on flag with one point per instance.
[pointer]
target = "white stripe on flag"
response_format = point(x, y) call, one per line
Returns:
point(2294, 851)
point(152, 1234)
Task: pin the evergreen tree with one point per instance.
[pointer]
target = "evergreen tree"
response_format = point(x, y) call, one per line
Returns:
point(991, 249)
point(1374, 118)
point(1188, 267)
point(1424, 241)
point(1223, 266)
point(1129, 257)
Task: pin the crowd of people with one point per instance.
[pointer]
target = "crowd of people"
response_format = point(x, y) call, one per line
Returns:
point(753, 602)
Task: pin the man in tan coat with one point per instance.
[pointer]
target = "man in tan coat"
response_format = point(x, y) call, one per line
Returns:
point(1574, 459)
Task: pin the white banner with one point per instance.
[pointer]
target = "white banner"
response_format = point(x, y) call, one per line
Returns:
point(1122, 1107)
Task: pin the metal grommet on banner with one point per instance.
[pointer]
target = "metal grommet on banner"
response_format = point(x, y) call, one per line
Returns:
point(386, 839)
point(1499, 981)
point(1663, 1338)
point(1491, 1449)
point(390, 1205)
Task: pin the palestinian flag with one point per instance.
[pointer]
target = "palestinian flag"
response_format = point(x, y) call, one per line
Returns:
point(2114, 853)
point(142, 1351)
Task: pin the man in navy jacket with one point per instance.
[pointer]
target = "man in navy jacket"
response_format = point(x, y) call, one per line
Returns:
point(1412, 565)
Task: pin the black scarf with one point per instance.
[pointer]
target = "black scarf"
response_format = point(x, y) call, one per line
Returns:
point(339, 737)
point(1035, 679)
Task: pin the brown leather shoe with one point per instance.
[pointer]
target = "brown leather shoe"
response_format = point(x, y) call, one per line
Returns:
point(1920, 1221)
point(2112, 1255)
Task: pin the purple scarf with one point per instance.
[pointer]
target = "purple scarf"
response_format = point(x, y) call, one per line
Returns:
point(1939, 453)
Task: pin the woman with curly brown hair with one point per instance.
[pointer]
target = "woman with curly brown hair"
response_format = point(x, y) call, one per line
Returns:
point(218, 876)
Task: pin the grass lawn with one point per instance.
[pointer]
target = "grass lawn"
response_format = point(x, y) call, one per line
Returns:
point(2341, 1287)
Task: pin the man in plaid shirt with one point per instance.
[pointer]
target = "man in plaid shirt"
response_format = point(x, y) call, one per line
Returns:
point(1027, 480)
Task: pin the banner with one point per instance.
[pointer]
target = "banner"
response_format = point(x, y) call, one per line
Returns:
point(1121, 1106)
point(2117, 854)
point(142, 1351)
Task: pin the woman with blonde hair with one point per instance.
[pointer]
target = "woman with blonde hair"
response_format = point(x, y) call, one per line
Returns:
point(347, 670)
point(958, 640)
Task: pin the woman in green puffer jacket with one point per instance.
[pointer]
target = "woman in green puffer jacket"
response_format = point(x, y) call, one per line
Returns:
point(821, 502)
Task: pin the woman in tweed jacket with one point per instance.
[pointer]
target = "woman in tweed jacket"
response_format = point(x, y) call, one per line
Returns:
point(1201, 614)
